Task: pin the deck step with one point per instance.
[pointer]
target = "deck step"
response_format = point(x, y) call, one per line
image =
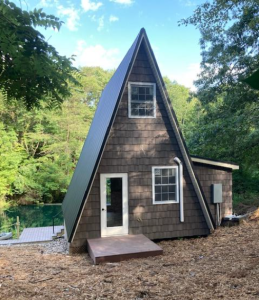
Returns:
point(119, 248)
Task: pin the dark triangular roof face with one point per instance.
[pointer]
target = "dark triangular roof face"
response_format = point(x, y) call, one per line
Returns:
point(93, 148)
point(94, 143)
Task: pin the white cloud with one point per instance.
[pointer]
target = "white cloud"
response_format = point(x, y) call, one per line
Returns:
point(97, 55)
point(113, 18)
point(188, 3)
point(100, 23)
point(90, 5)
point(44, 3)
point(72, 15)
point(80, 45)
point(125, 2)
point(48, 3)
point(187, 77)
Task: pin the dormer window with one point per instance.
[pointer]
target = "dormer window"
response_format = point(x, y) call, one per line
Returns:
point(142, 100)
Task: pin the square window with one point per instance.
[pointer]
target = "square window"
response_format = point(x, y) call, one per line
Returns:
point(171, 188)
point(158, 180)
point(134, 96)
point(149, 97)
point(134, 111)
point(165, 172)
point(142, 112)
point(165, 197)
point(149, 112)
point(158, 197)
point(134, 90)
point(165, 185)
point(158, 189)
point(165, 180)
point(172, 179)
point(142, 90)
point(165, 189)
point(171, 197)
point(142, 99)
point(149, 91)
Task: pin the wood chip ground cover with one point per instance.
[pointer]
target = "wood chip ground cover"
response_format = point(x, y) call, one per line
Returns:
point(224, 265)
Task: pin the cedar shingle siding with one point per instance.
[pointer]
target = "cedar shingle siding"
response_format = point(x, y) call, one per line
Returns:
point(209, 175)
point(133, 147)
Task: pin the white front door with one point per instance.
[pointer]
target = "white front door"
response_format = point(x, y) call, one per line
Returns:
point(114, 204)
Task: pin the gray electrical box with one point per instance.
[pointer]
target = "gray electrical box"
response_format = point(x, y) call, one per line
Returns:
point(216, 193)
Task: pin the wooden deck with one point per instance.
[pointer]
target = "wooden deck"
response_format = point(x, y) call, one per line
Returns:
point(118, 248)
point(34, 235)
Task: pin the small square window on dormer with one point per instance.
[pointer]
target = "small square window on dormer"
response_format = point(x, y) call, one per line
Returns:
point(142, 100)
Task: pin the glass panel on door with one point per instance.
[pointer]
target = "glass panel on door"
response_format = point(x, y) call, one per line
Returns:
point(114, 202)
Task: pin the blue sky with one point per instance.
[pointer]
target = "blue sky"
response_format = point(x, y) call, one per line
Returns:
point(100, 32)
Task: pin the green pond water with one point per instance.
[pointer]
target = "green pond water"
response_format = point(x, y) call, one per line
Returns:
point(30, 216)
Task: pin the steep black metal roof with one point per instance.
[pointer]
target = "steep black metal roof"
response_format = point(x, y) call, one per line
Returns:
point(93, 147)
point(95, 141)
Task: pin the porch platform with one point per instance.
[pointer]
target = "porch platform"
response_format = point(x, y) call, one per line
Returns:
point(118, 248)
point(34, 235)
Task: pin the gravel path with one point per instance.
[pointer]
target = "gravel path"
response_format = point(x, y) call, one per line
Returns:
point(56, 246)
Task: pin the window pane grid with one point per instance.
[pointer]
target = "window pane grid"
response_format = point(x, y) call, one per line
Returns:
point(142, 101)
point(164, 184)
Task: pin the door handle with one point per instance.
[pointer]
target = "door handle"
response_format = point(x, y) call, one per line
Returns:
point(103, 209)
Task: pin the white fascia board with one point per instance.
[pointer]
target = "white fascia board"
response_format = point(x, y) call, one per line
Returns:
point(215, 163)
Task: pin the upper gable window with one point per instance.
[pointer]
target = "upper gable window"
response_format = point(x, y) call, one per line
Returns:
point(142, 100)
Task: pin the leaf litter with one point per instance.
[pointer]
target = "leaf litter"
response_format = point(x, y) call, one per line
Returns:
point(224, 265)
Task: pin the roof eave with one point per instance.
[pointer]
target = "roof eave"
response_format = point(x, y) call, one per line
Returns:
point(211, 162)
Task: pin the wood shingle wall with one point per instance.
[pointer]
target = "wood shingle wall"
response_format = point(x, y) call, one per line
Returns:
point(134, 146)
point(209, 175)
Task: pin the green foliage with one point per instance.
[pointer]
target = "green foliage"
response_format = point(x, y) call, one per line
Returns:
point(93, 81)
point(229, 49)
point(39, 148)
point(253, 80)
point(10, 158)
point(228, 125)
point(31, 70)
point(183, 103)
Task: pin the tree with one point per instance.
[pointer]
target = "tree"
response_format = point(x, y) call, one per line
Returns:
point(253, 80)
point(31, 70)
point(11, 156)
point(39, 148)
point(228, 125)
point(183, 103)
point(229, 49)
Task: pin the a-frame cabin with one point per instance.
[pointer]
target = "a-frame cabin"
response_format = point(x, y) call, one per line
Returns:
point(135, 174)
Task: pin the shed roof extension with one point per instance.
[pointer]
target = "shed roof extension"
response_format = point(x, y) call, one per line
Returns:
point(213, 162)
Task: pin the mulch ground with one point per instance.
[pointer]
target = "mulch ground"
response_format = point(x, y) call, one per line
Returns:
point(224, 265)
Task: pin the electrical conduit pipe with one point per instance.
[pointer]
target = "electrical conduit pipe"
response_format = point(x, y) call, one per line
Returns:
point(180, 178)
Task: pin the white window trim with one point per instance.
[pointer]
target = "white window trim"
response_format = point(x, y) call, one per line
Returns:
point(153, 184)
point(129, 99)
